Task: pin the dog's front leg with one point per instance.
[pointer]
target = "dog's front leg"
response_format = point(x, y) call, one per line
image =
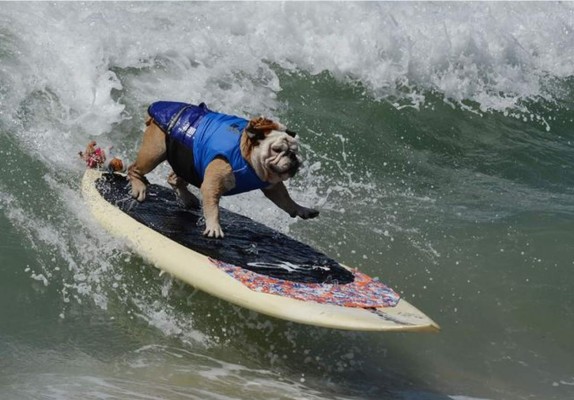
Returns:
point(279, 195)
point(152, 152)
point(218, 179)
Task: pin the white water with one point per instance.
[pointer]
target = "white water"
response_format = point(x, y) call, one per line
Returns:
point(493, 54)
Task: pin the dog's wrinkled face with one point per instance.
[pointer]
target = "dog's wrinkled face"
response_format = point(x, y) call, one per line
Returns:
point(272, 150)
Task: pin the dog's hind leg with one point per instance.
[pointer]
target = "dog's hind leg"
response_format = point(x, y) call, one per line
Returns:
point(152, 152)
point(183, 194)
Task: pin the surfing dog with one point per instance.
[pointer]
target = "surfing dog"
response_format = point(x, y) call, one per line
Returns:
point(221, 155)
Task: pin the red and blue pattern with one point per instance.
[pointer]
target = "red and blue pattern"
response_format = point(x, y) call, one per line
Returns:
point(363, 292)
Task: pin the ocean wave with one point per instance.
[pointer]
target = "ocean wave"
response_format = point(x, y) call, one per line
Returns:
point(85, 54)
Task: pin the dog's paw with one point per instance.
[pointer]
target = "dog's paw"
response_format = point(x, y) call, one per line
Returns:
point(138, 190)
point(213, 231)
point(306, 213)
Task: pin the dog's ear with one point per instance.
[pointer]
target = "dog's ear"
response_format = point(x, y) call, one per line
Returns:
point(259, 127)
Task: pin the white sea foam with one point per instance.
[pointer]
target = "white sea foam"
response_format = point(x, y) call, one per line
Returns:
point(493, 54)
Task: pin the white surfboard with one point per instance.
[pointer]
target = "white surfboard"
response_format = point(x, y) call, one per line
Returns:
point(253, 267)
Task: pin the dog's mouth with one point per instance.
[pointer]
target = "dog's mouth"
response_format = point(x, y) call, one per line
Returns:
point(289, 168)
point(293, 169)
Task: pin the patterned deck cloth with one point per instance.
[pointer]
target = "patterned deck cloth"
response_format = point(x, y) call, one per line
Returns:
point(363, 292)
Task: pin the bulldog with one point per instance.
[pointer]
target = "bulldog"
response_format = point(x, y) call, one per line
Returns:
point(220, 154)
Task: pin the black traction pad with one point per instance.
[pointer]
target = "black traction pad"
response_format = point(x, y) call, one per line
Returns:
point(247, 244)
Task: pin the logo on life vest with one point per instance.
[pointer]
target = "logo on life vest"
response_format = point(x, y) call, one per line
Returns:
point(234, 128)
point(189, 131)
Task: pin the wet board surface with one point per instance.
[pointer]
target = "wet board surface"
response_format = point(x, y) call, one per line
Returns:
point(254, 266)
point(247, 243)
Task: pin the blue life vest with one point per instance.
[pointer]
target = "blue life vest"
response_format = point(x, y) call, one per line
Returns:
point(195, 136)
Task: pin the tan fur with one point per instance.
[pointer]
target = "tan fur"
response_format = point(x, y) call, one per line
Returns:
point(247, 146)
point(152, 152)
point(258, 127)
point(261, 126)
point(279, 195)
point(218, 179)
